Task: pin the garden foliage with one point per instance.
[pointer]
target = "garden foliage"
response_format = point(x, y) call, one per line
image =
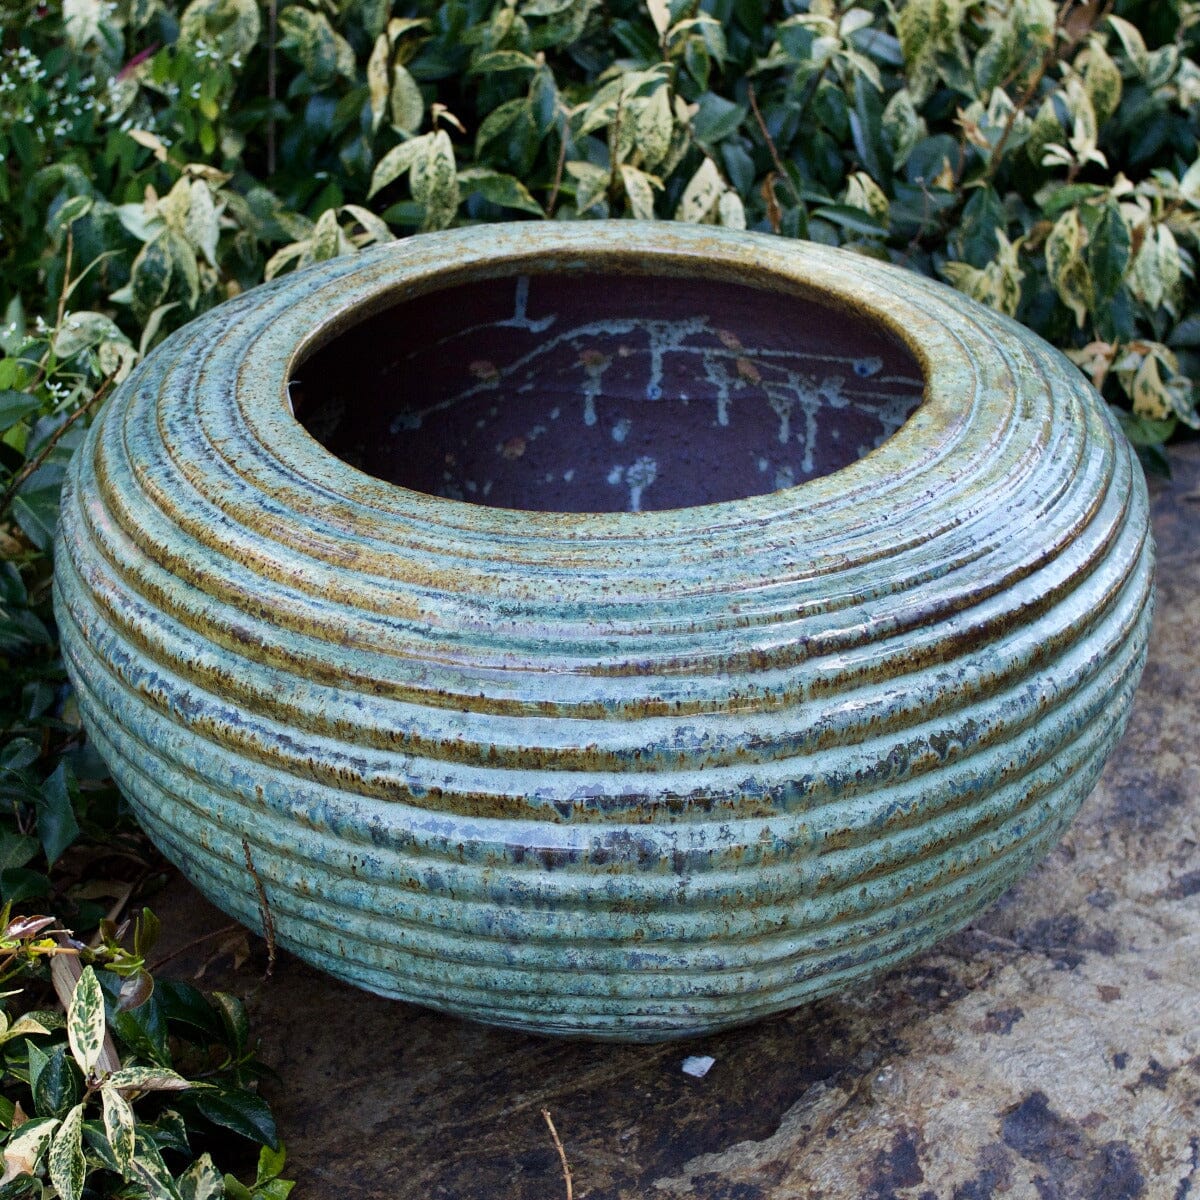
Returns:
point(91, 1095)
point(157, 158)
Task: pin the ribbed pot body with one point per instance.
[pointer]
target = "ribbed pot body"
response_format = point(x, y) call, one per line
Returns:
point(622, 775)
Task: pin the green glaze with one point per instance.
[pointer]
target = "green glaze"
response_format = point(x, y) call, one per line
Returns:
point(623, 775)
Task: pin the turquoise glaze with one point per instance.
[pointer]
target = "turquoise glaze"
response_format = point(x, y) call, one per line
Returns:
point(623, 775)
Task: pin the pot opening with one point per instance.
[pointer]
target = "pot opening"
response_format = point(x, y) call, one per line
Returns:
point(606, 393)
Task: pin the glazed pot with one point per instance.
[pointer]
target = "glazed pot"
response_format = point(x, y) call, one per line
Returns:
point(350, 588)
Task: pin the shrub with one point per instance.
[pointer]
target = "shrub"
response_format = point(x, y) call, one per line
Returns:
point(157, 158)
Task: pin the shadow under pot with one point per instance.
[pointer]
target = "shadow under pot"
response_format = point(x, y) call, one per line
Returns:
point(610, 629)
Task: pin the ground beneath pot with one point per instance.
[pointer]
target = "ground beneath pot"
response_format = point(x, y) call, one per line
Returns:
point(1050, 1050)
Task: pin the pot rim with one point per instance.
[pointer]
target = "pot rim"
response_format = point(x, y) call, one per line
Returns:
point(310, 309)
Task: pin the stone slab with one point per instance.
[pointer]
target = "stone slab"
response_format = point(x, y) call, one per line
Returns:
point(1050, 1050)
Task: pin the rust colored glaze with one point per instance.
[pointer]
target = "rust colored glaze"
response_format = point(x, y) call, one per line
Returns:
point(621, 630)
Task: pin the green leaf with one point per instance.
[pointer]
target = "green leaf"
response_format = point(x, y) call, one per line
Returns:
point(142, 1029)
point(85, 1020)
point(716, 119)
point(655, 126)
point(35, 510)
point(982, 217)
point(866, 126)
point(505, 190)
point(16, 849)
point(1102, 79)
point(152, 273)
point(17, 884)
point(16, 406)
point(497, 121)
point(1108, 250)
point(66, 1162)
point(853, 220)
point(503, 60)
point(23, 1187)
point(184, 1004)
point(271, 1163)
point(120, 1127)
point(57, 826)
point(243, 1112)
point(58, 1085)
point(236, 1190)
point(201, 225)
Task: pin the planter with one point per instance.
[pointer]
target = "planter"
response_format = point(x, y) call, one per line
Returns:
point(499, 746)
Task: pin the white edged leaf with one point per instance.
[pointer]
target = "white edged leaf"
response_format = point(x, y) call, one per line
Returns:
point(202, 1181)
point(591, 182)
point(202, 224)
point(377, 79)
point(25, 1147)
point(85, 1022)
point(396, 162)
point(408, 105)
point(434, 181)
point(1066, 266)
point(153, 322)
point(701, 194)
point(639, 190)
point(65, 1161)
point(83, 330)
point(151, 1172)
point(23, 1027)
point(1131, 39)
point(375, 227)
point(120, 1127)
point(730, 211)
point(660, 15)
point(504, 190)
point(148, 1079)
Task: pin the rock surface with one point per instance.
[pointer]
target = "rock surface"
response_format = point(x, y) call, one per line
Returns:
point(1050, 1050)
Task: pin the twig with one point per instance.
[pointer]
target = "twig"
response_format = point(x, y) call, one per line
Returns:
point(762, 126)
point(57, 436)
point(198, 941)
point(562, 1154)
point(271, 88)
point(66, 283)
point(264, 911)
point(558, 170)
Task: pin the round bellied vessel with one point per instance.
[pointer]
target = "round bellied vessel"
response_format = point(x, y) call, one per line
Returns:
point(612, 629)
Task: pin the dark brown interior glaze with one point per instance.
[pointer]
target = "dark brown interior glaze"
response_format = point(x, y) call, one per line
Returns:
point(606, 393)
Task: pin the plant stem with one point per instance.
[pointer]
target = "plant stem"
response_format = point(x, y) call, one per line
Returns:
point(32, 465)
point(762, 126)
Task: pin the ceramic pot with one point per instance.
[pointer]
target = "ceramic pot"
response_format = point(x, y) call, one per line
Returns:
point(611, 629)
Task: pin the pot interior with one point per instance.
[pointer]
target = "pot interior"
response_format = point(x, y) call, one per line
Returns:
point(605, 393)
